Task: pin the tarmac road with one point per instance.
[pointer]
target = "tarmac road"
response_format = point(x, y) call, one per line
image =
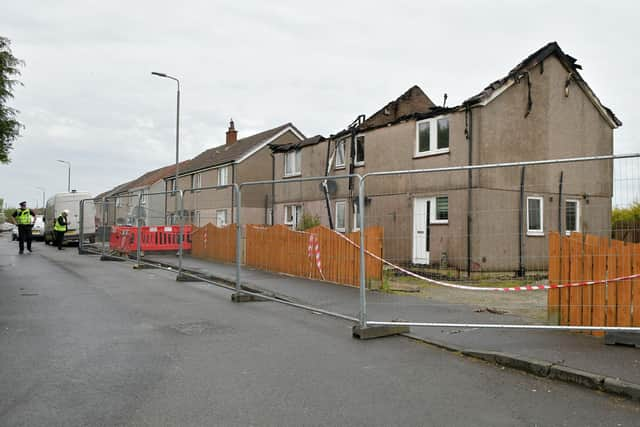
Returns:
point(85, 342)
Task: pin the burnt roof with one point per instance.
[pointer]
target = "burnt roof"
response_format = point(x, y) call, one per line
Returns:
point(229, 153)
point(282, 148)
point(414, 100)
point(534, 59)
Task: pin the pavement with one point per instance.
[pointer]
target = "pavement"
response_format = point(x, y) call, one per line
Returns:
point(572, 357)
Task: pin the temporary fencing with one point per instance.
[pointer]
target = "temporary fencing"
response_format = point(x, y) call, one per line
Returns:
point(466, 246)
point(467, 241)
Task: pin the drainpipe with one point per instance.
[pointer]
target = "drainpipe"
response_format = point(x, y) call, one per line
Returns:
point(273, 187)
point(233, 180)
point(469, 128)
point(560, 204)
point(325, 187)
point(521, 227)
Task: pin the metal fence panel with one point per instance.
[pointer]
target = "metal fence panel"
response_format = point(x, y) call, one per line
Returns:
point(481, 245)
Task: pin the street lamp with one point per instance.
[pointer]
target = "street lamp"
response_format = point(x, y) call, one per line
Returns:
point(42, 189)
point(166, 76)
point(68, 175)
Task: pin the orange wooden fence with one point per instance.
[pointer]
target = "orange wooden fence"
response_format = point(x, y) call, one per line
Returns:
point(216, 243)
point(579, 258)
point(283, 250)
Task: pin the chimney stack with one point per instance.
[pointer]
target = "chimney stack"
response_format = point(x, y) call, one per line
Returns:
point(232, 134)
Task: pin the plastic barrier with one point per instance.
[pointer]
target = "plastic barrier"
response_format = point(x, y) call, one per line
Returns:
point(152, 238)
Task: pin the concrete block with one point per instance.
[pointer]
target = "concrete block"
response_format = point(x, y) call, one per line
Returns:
point(576, 376)
point(186, 278)
point(378, 331)
point(623, 338)
point(111, 258)
point(621, 387)
point(143, 266)
point(240, 297)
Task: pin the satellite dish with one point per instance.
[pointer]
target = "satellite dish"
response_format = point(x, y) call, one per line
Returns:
point(329, 185)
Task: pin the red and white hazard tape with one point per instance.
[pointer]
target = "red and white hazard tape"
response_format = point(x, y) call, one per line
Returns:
point(478, 288)
point(314, 252)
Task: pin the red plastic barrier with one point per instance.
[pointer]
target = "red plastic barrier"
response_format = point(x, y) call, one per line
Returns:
point(152, 238)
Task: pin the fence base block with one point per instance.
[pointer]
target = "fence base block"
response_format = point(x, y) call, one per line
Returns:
point(623, 338)
point(240, 297)
point(185, 278)
point(143, 266)
point(111, 258)
point(371, 332)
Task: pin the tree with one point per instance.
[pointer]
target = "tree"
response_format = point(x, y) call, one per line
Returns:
point(9, 125)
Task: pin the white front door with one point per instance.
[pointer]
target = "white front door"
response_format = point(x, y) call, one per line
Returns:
point(421, 214)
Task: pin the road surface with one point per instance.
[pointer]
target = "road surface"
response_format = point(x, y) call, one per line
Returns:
point(91, 343)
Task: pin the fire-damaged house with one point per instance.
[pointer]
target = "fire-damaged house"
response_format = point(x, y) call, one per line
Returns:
point(489, 219)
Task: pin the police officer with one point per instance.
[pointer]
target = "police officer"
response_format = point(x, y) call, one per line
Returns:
point(25, 218)
point(60, 227)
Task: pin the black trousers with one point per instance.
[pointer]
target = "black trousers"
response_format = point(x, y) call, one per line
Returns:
point(59, 238)
point(24, 235)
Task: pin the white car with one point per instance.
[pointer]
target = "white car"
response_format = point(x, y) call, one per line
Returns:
point(37, 232)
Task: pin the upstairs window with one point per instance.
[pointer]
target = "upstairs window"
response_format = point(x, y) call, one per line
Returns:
point(196, 180)
point(223, 175)
point(359, 160)
point(292, 163)
point(340, 154)
point(432, 136)
point(572, 215)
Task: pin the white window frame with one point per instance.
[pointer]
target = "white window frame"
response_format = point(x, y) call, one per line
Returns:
point(223, 175)
point(434, 211)
point(269, 216)
point(355, 150)
point(225, 222)
point(295, 218)
point(540, 231)
point(196, 180)
point(172, 184)
point(295, 168)
point(118, 202)
point(340, 145)
point(341, 206)
point(356, 216)
point(196, 218)
point(433, 137)
point(577, 202)
point(143, 198)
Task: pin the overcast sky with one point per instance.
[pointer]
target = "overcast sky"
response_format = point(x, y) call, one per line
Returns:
point(89, 98)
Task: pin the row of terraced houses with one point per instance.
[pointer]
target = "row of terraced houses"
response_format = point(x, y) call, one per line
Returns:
point(542, 109)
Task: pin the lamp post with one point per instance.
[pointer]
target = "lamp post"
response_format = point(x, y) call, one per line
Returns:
point(42, 189)
point(68, 174)
point(166, 76)
point(179, 205)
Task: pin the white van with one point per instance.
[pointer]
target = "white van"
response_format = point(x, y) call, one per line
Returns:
point(71, 202)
